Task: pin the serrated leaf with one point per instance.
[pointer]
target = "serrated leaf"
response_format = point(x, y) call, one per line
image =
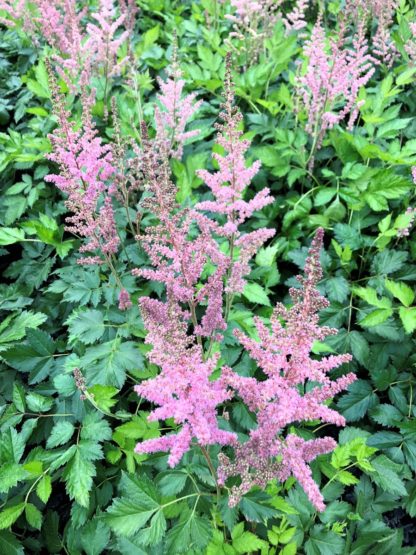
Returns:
point(107, 363)
point(386, 415)
point(255, 508)
point(248, 542)
point(408, 318)
point(9, 515)
point(386, 476)
point(193, 532)
point(95, 536)
point(400, 291)
point(10, 235)
point(323, 542)
point(78, 476)
point(10, 474)
point(9, 545)
point(356, 402)
point(87, 326)
point(130, 513)
point(44, 488)
point(61, 433)
point(376, 317)
point(33, 516)
point(255, 293)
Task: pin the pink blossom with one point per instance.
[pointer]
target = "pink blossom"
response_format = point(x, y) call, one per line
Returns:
point(124, 301)
point(86, 176)
point(174, 113)
point(284, 355)
point(334, 76)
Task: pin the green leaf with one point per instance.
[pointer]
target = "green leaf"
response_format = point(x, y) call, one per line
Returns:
point(323, 542)
point(95, 427)
point(33, 516)
point(193, 532)
point(248, 542)
point(107, 363)
point(10, 474)
point(44, 488)
point(267, 255)
point(386, 477)
point(9, 545)
point(61, 433)
point(408, 318)
point(9, 515)
point(87, 327)
point(19, 397)
point(78, 477)
point(357, 401)
point(255, 507)
point(39, 403)
point(386, 415)
point(10, 235)
point(103, 396)
point(130, 513)
point(255, 293)
point(400, 291)
point(384, 439)
point(376, 317)
point(172, 482)
point(95, 536)
point(15, 325)
point(36, 357)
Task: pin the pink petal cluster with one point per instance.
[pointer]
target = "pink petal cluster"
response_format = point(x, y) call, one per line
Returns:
point(410, 45)
point(229, 184)
point(86, 177)
point(183, 389)
point(382, 12)
point(185, 256)
point(174, 113)
point(81, 48)
point(278, 399)
point(335, 73)
point(102, 41)
point(295, 20)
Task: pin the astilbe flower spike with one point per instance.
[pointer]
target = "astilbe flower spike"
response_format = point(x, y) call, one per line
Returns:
point(335, 73)
point(284, 355)
point(87, 174)
point(79, 49)
point(381, 13)
point(174, 111)
point(179, 247)
point(228, 186)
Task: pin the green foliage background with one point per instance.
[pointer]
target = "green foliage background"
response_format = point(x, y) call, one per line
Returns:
point(69, 480)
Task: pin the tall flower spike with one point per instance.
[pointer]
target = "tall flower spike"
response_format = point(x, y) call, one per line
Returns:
point(87, 174)
point(334, 76)
point(174, 112)
point(284, 355)
point(228, 186)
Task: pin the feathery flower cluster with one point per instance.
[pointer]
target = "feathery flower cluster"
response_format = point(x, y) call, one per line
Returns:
point(174, 112)
point(410, 46)
point(79, 48)
point(86, 177)
point(284, 356)
point(179, 248)
point(382, 12)
point(253, 21)
point(228, 185)
point(183, 389)
point(333, 78)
